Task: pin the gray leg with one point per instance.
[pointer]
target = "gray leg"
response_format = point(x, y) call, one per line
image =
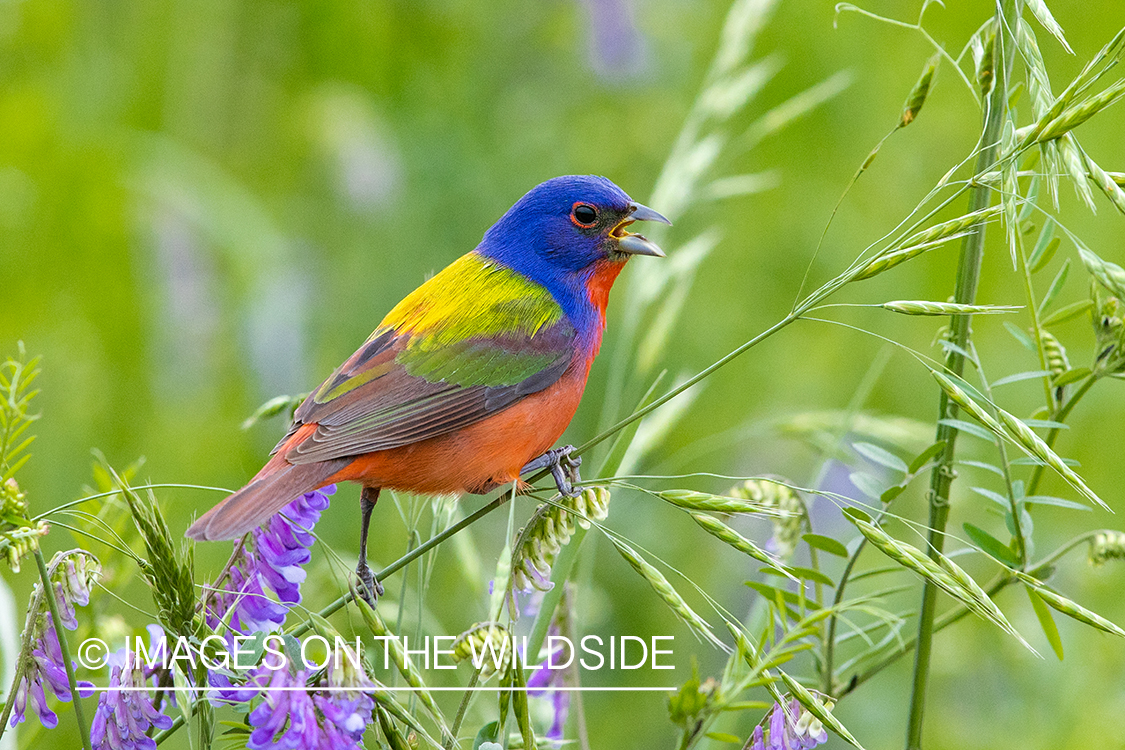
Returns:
point(371, 589)
point(563, 468)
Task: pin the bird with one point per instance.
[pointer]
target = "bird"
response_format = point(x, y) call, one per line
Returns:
point(470, 380)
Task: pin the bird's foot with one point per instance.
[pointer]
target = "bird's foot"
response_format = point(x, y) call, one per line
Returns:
point(369, 589)
point(563, 467)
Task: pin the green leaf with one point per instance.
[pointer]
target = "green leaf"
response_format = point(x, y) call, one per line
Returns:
point(1055, 288)
point(1071, 376)
point(1058, 502)
point(991, 545)
point(1046, 621)
point(1047, 424)
point(878, 455)
point(921, 459)
point(807, 574)
point(490, 732)
point(1063, 314)
point(772, 593)
point(1020, 335)
point(969, 428)
point(826, 543)
point(866, 484)
point(995, 497)
point(1019, 376)
point(1045, 247)
point(982, 465)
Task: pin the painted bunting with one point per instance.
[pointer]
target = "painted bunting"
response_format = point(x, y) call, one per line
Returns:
point(469, 381)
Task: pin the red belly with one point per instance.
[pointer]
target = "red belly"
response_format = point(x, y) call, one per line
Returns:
point(475, 458)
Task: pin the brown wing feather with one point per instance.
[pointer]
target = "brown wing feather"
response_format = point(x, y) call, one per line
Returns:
point(381, 406)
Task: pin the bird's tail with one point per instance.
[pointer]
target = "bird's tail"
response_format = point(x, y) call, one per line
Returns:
point(276, 485)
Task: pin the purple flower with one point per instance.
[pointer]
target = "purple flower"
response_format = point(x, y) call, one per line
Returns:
point(790, 728)
point(46, 663)
point(543, 683)
point(125, 714)
point(271, 557)
point(292, 715)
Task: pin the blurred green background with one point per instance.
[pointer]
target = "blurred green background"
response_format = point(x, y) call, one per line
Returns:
point(206, 204)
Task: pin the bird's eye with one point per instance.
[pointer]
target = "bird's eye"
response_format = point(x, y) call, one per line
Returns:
point(584, 215)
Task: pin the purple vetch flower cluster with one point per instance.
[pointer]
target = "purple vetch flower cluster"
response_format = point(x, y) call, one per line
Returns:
point(74, 573)
point(271, 557)
point(292, 715)
point(46, 664)
point(790, 728)
point(125, 714)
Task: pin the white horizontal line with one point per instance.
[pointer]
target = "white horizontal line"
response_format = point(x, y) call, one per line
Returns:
point(293, 688)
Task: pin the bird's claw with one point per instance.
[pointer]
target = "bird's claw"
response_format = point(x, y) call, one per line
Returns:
point(563, 467)
point(369, 589)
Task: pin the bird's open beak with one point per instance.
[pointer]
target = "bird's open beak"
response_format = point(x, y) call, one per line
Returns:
point(635, 244)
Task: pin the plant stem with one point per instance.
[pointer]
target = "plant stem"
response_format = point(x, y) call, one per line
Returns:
point(53, 605)
point(968, 275)
point(418, 551)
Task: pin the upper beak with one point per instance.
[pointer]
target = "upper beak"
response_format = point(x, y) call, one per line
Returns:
point(635, 244)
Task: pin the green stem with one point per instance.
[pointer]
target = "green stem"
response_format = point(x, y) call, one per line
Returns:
point(968, 276)
point(64, 647)
point(461, 711)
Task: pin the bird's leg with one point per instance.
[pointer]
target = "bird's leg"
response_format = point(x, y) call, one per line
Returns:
point(564, 468)
point(372, 589)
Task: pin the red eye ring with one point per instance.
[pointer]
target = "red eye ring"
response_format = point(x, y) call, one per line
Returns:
point(583, 215)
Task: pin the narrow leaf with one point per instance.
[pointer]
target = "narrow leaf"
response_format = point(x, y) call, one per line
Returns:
point(826, 543)
point(1046, 621)
point(878, 455)
point(991, 545)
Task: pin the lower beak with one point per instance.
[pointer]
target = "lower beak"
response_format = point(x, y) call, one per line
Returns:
point(635, 244)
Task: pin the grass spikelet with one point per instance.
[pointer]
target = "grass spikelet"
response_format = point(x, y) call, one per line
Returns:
point(1074, 116)
point(925, 307)
point(1042, 14)
point(821, 710)
point(1072, 609)
point(1026, 438)
point(1110, 185)
point(1006, 426)
point(169, 573)
point(692, 500)
point(727, 535)
point(918, 94)
point(959, 397)
point(548, 531)
point(951, 227)
point(1075, 164)
point(984, 59)
point(666, 592)
point(946, 575)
